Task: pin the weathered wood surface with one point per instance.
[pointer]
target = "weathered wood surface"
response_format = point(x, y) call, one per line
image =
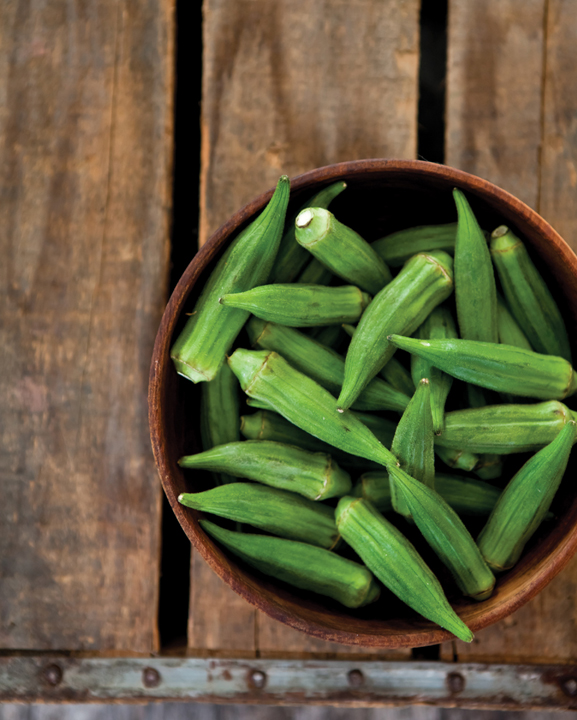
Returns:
point(290, 86)
point(509, 64)
point(494, 89)
point(204, 711)
point(85, 138)
point(287, 87)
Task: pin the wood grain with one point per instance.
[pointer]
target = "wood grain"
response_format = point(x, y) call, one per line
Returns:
point(494, 89)
point(85, 133)
point(287, 87)
point(546, 628)
point(559, 155)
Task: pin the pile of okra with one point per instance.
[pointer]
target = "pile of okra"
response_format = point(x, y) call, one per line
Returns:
point(320, 467)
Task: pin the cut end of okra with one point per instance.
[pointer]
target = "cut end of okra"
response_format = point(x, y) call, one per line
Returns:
point(304, 219)
point(500, 231)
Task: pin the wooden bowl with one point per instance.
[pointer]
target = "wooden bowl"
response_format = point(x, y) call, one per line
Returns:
point(382, 196)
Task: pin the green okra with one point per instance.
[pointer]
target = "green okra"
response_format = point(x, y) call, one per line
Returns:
point(456, 457)
point(329, 336)
point(503, 368)
point(291, 256)
point(322, 364)
point(490, 465)
point(413, 446)
point(316, 476)
point(504, 429)
point(445, 533)
point(525, 502)
point(258, 404)
point(528, 296)
point(301, 305)
point(341, 250)
point(265, 375)
point(475, 288)
point(315, 273)
point(395, 249)
point(466, 496)
point(269, 425)
point(396, 375)
point(382, 429)
point(423, 283)
point(394, 372)
point(277, 511)
point(509, 331)
point(200, 349)
point(439, 325)
point(302, 565)
point(396, 563)
point(219, 414)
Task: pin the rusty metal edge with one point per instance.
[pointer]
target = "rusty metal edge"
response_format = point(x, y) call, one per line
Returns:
point(57, 679)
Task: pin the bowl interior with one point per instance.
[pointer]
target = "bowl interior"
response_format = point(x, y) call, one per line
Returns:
point(382, 196)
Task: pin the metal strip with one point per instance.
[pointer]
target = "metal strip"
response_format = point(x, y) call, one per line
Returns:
point(287, 682)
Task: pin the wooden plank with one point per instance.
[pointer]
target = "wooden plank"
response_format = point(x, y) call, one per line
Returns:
point(85, 132)
point(289, 86)
point(494, 87)
point(559, 155)
point(278, 640)
point(545, 629)
point(219, 619)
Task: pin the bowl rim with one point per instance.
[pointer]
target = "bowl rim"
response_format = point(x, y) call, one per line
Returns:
point(282, 606)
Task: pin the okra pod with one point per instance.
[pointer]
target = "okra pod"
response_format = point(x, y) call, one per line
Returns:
point(276, 511)
point(438, 326)
point(490, 465)
point(424, 282)
point(509, 331)
point(322, 364)
point(528, 296)
point(396, 563)
point(382, 429)
point(394, 372)
point(301, 565)
point(503, 368)
point(466, 496)
point(413, 445)
point(219, 415)
point(210, 331)
point(315, 273)
point(395, 249)
point(456, 457)
point(316, 476)
point(448, 537)
point(291, 256)
point(504, 429)
point(475, 289)
point(329, 336)
point(343, 251)
point(301, 305)
point(269, 425)
point(525, 502)
point(265, 375)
